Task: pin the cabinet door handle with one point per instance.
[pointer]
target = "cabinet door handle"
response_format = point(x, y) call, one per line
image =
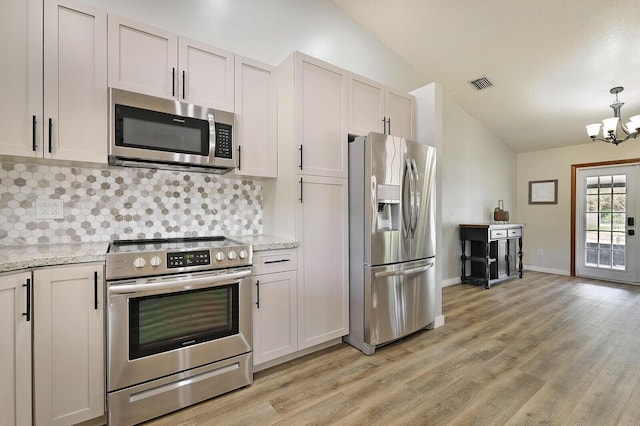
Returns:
point(239, 157)
point(184, 84)
point(267, 262)
point(50, 132)
point(389, 125)
point(384, 125)
point(33, 133)
point(300, 149)
point(258, 294)
point(300, 190)
point(173, 81)
point(28, 286)
point(95, 290)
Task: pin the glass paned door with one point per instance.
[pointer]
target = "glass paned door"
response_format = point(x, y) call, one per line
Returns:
point(606, 213)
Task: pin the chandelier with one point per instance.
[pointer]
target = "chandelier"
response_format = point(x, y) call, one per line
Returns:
point(613, 131)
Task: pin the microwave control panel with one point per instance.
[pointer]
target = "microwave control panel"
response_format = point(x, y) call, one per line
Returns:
point(224, 145)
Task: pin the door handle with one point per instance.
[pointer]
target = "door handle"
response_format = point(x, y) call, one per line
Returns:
point(631, 232)
point(300, 149)
point(28, 286)
point(95, 290)
point(33, 133)
point(258, 294)
point(403, 272)
point(50, 132)
point(239, 158)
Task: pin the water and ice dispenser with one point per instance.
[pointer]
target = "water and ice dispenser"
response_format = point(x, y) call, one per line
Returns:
point(388, 197)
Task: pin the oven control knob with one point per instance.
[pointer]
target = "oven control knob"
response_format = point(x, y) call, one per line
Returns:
point(220, 256)
point(232, 255)
point(139, 262)
point(155, 261)
point(243, 254)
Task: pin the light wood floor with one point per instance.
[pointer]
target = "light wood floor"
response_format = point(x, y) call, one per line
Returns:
point(545, 349)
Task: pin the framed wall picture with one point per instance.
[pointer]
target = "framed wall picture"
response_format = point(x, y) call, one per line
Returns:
point(543, 191)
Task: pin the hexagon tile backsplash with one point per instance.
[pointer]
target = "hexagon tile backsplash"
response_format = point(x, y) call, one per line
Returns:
point(121, 203)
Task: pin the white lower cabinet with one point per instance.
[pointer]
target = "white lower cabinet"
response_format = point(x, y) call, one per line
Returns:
point(68, 344)
point(275, 305)
point(15, 349)
point(322, 223)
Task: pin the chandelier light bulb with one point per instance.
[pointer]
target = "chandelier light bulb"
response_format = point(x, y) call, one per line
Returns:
point(635, 123)
point(609, 125)
point(593, 129)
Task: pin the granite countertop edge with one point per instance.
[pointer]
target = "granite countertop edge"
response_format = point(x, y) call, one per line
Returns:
point(17, 258)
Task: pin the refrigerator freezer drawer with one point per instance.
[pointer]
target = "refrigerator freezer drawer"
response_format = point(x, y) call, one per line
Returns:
point(399, 300)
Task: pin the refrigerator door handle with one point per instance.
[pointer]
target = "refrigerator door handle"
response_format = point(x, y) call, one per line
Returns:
point(416, 204)
point(404, 272)
point(407, 211)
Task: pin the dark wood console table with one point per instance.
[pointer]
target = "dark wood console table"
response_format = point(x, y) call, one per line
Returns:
point(491, 253)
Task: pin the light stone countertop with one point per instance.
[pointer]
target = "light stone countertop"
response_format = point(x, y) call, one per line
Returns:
point(15, 258)
point(265, 242)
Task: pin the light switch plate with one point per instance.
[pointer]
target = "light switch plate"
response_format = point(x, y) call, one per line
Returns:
point(48, 208)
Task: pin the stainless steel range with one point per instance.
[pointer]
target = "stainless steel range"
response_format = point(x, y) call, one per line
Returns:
point(178, 325)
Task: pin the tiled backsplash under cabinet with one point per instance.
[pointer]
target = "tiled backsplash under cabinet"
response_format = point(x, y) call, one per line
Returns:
point(123, 203)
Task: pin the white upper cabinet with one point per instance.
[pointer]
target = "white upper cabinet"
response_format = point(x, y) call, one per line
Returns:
point(142, 58)
point(256, 118)
point(319, 101)
point(400, 112)
point(374, 107)
point(75, 82)
point(21, 77)
point(366, 106)
point(206, 75)
point(157, 62)
point(57, 82)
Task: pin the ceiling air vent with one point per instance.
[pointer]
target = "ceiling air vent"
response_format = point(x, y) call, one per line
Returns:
point(481, 83)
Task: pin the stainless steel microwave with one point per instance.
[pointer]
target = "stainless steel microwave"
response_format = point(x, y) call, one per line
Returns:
point(147, 131)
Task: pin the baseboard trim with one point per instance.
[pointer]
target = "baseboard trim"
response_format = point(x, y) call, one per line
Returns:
point(439, 321)
point(546, 270)
point(450, 281)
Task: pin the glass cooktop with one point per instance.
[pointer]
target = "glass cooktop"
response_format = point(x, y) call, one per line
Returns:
point(169, 244)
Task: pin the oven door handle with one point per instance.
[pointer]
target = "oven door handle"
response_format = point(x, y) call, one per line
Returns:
point(178, 284)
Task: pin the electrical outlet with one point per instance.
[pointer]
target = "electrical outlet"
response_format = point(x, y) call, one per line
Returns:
point(47, 208)
point(540, 252)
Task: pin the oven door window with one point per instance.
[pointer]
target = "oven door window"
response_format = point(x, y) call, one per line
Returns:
point(145, 129)
point(169, 321)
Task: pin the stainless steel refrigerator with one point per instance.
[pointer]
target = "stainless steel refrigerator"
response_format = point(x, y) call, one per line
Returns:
point(391, 239)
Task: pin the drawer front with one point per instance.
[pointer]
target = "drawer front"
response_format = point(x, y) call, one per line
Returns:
point(515, 232)
point(271, 261)
point(498, 233)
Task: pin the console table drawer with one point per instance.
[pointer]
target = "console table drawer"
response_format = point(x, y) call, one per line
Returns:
point(498, 233)
point(515, 232)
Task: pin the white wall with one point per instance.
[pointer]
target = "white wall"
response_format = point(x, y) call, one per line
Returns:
point(269, 31)
point(478, 169)
point(548, 227)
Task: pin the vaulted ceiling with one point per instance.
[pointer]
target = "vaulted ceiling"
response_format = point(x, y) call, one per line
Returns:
point(551, 62)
